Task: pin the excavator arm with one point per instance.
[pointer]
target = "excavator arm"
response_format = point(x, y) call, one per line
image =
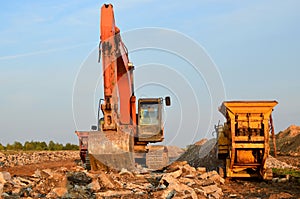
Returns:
point(112, 145)
point(117, 73)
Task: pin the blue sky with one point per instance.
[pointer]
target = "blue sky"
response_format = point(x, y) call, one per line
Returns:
point(43, 44)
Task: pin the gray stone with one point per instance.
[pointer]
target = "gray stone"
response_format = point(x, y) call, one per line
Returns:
point(79, 178)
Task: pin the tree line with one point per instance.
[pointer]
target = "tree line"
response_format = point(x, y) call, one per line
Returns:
point(38, 146)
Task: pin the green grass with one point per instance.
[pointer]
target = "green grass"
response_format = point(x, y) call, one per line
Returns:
point(12, 152)
point(283, 172)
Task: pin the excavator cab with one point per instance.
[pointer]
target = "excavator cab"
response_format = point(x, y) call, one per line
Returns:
point(150, 124)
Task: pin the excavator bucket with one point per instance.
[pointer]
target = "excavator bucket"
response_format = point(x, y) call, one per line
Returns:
point(110, 150)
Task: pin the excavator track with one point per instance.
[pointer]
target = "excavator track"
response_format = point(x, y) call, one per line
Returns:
point(157, 157)
point(87, 164)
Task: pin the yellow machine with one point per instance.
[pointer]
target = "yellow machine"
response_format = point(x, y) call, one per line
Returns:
point(243, 141)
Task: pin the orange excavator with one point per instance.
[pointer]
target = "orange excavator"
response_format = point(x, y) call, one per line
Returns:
point(121, 138)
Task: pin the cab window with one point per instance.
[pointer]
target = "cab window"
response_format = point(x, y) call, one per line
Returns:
point(149, 114)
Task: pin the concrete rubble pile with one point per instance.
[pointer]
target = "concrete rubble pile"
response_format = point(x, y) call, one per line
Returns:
point(178, 180)
point(202, 154)
point(274, 163)
point(22, 158)
point(174, 153)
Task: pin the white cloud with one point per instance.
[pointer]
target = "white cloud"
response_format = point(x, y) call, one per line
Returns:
point(44, 51)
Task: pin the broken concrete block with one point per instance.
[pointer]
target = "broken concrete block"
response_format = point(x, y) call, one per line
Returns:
point(154, 180)
point(5, 177)
point(94, 185)
point(1, 188)
point(126, 172)
point(79, 178)
point(60, 191)
point(201, 170)
point(106, 181)
point(210, 189)
point(188, 170)
point(203, 176)
point(216, 178)
point(176, 174)
point(113, 194)
point(187, 181)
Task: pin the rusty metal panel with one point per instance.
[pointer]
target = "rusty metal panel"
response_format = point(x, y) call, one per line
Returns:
point(249, 145)
point(249, 139)
point(247, 107)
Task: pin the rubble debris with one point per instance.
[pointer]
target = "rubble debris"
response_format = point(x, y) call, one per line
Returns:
point(274, 163)
point(183, 178)
point(79, 178)
point(126, 172)
point(174, 152)
point(2, 158)
point(154, 180)
point(107, 182)
point(4, 177)
point(179, 180)
point(204, 155)
point(280, 195)
point(114, 194)
point(26, 158)
point(201, 142)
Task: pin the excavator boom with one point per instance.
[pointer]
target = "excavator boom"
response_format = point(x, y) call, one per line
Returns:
point(118, 71)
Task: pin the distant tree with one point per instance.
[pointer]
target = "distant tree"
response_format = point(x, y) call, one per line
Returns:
point(34, 144)
point(51, 146)
point(39, 146)
point(70, 146)
point(28, 146)
point(58, 147)
point(44, 146)
point(9, 147)
point(17, 146)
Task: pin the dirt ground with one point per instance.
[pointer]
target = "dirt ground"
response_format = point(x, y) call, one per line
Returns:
point(253, 188)
point(233, 188)
point(28, 170)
